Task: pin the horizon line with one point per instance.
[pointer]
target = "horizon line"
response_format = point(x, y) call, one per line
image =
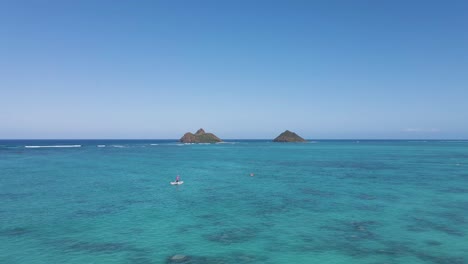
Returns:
point(432, 139)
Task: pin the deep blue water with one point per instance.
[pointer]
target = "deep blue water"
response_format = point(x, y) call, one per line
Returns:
point(319, 202)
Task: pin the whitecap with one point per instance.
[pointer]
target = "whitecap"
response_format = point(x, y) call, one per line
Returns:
point(101, 146)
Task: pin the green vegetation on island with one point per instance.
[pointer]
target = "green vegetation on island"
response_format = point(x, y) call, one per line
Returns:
point(288, 136)
point(200, 137)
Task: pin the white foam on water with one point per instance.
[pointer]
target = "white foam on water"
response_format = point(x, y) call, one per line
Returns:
point(118, 146)
point(154, 144)
point(101, 146)
point(55, 146)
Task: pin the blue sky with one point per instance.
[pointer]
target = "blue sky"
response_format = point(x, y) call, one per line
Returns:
point(241, 69)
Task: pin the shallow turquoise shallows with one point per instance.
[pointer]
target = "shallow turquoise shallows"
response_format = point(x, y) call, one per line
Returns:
point(111, 201)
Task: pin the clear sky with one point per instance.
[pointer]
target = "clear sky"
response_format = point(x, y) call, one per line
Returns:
point(240, 69)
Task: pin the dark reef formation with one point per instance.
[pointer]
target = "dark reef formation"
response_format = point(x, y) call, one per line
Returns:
point(288, 136)
point(200, 137)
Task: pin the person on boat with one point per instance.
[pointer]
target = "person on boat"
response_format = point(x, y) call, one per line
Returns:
point(177, 179)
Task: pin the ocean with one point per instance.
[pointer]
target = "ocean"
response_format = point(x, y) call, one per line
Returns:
point(325, 201)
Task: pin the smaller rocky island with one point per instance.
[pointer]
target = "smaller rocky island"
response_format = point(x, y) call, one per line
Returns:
point(288, 136)
point(200, 137)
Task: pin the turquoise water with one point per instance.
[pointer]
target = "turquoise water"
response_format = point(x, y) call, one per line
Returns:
point(320, 202)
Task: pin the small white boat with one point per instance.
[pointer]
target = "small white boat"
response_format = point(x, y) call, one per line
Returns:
point(177, 183)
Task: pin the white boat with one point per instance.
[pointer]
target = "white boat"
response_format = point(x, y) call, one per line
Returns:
point(177, 183)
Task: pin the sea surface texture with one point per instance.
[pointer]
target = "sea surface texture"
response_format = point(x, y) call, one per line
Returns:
point(111, 201)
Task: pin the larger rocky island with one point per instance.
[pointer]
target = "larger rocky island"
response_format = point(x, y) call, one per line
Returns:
point(200, 137)
point(288, 136)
